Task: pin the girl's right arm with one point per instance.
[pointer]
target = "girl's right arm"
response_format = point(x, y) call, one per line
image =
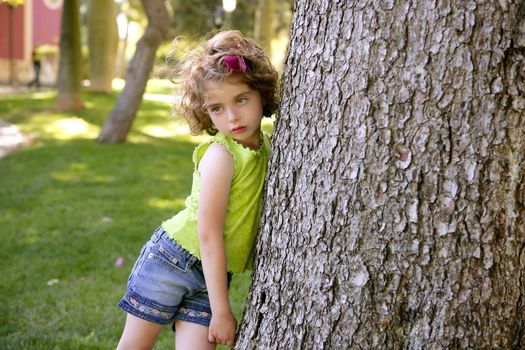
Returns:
point(216, 172)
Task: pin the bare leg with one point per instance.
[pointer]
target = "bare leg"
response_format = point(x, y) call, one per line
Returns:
point(138, 334)
point(192, 336)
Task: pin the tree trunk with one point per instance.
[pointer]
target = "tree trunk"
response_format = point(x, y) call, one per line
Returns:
point(395, 204)
point(263, 25)
point(103, 44)
point(69, 94)
point(119, 122)
point(13, 74)
point(121, 61)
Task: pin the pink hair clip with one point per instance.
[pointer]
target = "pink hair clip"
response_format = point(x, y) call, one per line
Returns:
point(235, 63)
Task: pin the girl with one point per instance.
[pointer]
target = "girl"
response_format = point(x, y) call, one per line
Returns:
point(183, 271)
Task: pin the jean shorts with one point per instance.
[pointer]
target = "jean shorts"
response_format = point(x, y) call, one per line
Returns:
point(167, 284)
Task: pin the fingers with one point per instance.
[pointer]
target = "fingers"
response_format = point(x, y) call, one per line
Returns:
point(211, 337)
point(228, 340)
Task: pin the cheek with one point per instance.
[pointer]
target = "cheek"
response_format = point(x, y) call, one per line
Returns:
point(212, 119)
point(259, 110)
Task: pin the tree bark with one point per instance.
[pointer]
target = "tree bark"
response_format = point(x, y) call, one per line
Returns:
point(395, 204)
point(103, 44)
point(69, 94)
point(121, 118)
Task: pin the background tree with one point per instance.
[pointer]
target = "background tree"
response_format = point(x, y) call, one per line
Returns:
point(69, 70)
point(395, 204)
point(13, 76)
point(131, 11)
point(263, 31)
point(103, 44)
point(119, 122)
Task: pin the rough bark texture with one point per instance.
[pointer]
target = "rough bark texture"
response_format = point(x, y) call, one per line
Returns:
point(121, 118)
point(394, 211)
point(103, 44)
point(69, 94)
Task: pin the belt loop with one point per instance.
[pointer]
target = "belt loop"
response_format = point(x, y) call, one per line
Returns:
point(192, 260)
point(157, 234)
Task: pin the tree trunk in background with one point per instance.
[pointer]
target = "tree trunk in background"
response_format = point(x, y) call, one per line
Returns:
point(121, 118)
point(395, 205)
point(69, 94)
point(263, 25)
point(121, 60)
point(103, 44)
point(13, 74)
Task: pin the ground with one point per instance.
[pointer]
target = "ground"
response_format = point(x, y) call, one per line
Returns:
point(10, 138)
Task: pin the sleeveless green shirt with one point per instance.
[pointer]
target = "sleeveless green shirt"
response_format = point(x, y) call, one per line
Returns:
point(244, 204)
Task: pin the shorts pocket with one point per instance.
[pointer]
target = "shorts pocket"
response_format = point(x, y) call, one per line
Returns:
point(169, 257)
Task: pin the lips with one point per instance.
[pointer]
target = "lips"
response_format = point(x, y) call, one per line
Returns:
point(239, 129)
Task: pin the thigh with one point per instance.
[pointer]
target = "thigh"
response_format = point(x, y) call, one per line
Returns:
point(191, 336)
point(138, 334)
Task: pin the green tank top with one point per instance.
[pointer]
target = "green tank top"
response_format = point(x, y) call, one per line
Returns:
point(244, 204)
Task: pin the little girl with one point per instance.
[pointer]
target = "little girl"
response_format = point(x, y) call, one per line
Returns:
point(183, 271)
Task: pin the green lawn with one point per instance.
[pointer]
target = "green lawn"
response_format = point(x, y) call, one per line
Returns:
point(69, 207)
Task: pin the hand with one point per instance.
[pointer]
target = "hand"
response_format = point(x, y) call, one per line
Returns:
point(222, 329)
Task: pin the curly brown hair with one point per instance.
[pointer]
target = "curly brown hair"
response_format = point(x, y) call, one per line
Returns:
point(205, 64)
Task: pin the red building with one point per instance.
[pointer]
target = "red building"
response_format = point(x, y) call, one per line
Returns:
point(35, 24)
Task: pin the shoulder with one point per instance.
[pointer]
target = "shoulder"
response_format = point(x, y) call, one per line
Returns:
point(218, 151)
point(217, 159)
point(219, 146)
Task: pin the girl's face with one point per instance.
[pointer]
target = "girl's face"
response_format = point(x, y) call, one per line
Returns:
point(236, 110)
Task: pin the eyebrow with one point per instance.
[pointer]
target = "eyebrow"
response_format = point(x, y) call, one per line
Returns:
point(207, 105)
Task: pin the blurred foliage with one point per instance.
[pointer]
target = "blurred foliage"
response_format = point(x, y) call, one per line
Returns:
point(13, 3)
point(283, 15)
point(47, 50)
point(133, 10)
point(196, 18)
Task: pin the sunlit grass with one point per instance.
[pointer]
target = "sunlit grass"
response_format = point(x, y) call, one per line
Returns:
point(69, 207)
point(70, 128)
point(154, 86)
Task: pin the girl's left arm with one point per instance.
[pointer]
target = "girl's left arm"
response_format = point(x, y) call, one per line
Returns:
point(216, 173)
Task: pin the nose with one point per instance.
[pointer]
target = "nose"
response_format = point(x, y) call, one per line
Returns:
point(232, 115)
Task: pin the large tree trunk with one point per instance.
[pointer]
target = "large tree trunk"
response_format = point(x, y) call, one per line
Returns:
point(69, 94)
point(103, 44)
point(121, 118)
point(395, 205)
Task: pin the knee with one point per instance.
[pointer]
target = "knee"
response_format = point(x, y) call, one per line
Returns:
point(134, 344)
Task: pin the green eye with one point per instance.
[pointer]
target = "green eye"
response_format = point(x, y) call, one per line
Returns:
point(242, 100)
point(215, 109)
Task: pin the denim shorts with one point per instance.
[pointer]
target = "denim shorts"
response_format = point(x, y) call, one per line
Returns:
point(167, 284)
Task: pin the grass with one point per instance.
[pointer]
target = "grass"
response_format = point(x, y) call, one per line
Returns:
point(69, 207)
